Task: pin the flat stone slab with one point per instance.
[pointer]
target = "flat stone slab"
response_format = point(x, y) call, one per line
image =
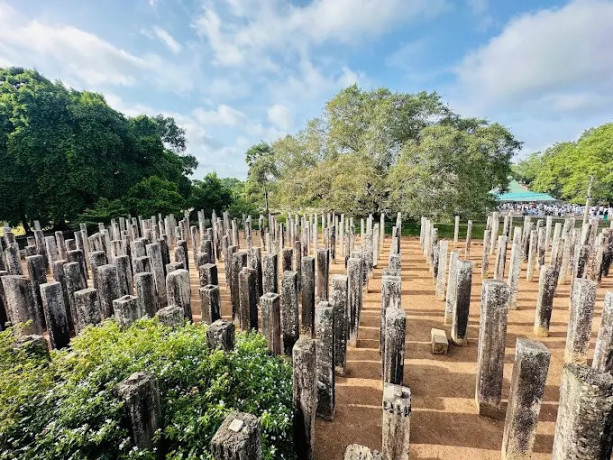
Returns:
point(438, 341)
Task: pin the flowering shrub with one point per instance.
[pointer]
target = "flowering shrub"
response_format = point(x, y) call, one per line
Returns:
point(68, 407)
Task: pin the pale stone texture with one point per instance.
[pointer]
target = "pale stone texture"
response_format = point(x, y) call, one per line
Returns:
point(304, 397)
point(548, 281)
point(396, 423)
point(324, 325)
point(290, 321)
point(603, 355)
point(271, 320)
point(582, 299)
point(221, 335)
point(56, 315)
point(238, 438)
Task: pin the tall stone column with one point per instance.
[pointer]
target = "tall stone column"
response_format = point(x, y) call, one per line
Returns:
point(145, 293)
point(108, 289)
point(441, 273)
point(87, 309)
point(515, 268)
point(271, 320)
point(490, 356)
point(324, 326)
point(548, 281)
point(396, 423)
point(254, 260)
point(583, 427)
point(238, 438)
point(269, 273)
point(179, 291)
point(452, 286)
point(603, 355)
point(287, 260)
point(527, 388)
point(154, 252)
point(461, 307)
point(207, 274)
point(38, 276)
point(124, 272)
point(221, 334)
point(354, 286)
point(582, 299)
point(532, 255)
point(456, 231)
point(248, 313)
point(308, 297)
point(469, 231)
point(393, 357)
point(238, 260)
point(56, 315)
point(339, 301)
point(391, 294)
point(290, 321)
point(323, 274)
point(494, 235)
point(141, 398)
point(304, 397)
point(501, 258)
point(485, 258)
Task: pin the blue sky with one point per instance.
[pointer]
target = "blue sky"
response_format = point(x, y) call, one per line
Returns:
point(234, 72)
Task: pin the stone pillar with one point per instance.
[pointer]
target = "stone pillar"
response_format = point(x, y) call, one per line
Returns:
point(171, 316)
point(495, 224)
point(154, 252)
point(515, 269)
point(469, 231)
point(38, 276)
point(452, 286)
point(269, 273)
point(396, 423)
point(501, 257)
point(221, 335)
point(532, 255)
point(254, 260)
point(108, 288)
point(87, 309)
point(490, 355)
point(323, 274)
point(393, 357)
point(145, 292)
point(339, 301)
point(210, 304)
point(238, 438)
point(354, 280)
point(13, 259)
point(527, 388)
point(142, 265)
point(305, 397)
point(78, 257)
point(127, 310)
point(289, 311)
point(308, 297)
point(179, 291)
point(56, 315)
point(124, 272)
point(548, 280)
point(141, 398)
point(324, 325)
point(582, 299)
point(248, 301)
point(485, 258)
point(583, 427)
point(603, 355)
point(271, 319)
point(391, 294)
point(288, 257)
point(358, 452)
point(456, 230)
point(461, 307)
point(441, 273)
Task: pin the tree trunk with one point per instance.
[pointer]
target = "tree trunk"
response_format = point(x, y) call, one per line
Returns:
point(26, 226)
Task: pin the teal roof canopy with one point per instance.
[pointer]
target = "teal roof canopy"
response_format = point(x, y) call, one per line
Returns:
point(520, 193)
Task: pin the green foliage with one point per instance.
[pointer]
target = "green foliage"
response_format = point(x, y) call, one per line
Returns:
point(68, 408)
point(262, 170)
point(62, 150)
point(210, 194)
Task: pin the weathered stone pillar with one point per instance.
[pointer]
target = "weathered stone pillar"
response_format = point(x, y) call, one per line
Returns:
point(124, 272)
point(461, 307)
point(13, 259)
point(142, 265)
point(583, 427)
point(490, 357)
point(358, 452)
point(456, 230)
point(393, 357)
point(494, 235)
point(324, 326)
point(515, 268)
point(56, 315)
point(207, 274)
point(254, 260)
point(179, 291)
point(354, 279)
point(145, 292)
point(221, 335)
point(288, 257)
point(452, 286)
point(527, 388)
point(308, 297)
point(108, 288)
point(391, 294)
point(238, 438)
point(271, 320)
point(171, 316)
point(532, 255)
point(548, 280)
point(323, 274)
point(248, 301)
point(501, 258)
point(269, 273)
point(210, 304)
point(485, 258)
point(86, 308)
point(582, 299)
point(289, 311)
point(141, 398)
point(305, 397)
point(38, 276)
point(156, 261)
point(441, 272)
point(469, 231)
point(127, 310)
point(339, 301)
point(396, 423)
point(78, 257)
point(603, 354)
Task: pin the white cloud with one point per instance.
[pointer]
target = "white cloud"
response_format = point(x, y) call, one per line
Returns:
point(167, 39)
point(223, 115)
point(478, 6)
point(281, 117)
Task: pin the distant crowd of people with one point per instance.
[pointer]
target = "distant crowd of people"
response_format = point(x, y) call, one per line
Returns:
point(556, 209)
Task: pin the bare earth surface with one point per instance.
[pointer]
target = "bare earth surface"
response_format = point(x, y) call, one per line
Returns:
point(444, 421)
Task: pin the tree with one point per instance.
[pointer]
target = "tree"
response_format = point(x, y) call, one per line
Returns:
point(152, 196)
point(262, 170)
point(210, 194)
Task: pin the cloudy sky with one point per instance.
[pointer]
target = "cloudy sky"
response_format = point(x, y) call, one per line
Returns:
point(234, 72)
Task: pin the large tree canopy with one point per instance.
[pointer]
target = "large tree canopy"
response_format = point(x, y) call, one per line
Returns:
point(375, 151)
point(62, 150)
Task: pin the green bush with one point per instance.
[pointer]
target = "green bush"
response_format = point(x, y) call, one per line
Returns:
point(68, 408)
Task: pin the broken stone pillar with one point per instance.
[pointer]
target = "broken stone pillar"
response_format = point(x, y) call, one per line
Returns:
point(308, 297)
point(238, 438)
point(210, 304)
point(490, 356)
point(221, 335)
point(548, 281)
point(108, 288)
point(582, 299)
point(323, 274)
point(354, 282)
point(179, 291)
point(289, 311)
point(248, 301)
point(461, 306)
point(145, 292)
point(171, 316)
point(56, 315)
point(124, 272)
point(87, 309)
point(324, 326)
point(141, 398)
point(304, 397)
point(339, 301)
point(501, 258)
point(527, 388)
point(603, 354)
point(441, 272)
point(142, 265)
point(156, 261)
point(393, 357)
point(583, 427)
point(391, 294)
point(271, 320)
point(515, 266)
point(269, 273)
point(127, 310)
point(358, 452)
point(469, 231)
point(396, 423)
